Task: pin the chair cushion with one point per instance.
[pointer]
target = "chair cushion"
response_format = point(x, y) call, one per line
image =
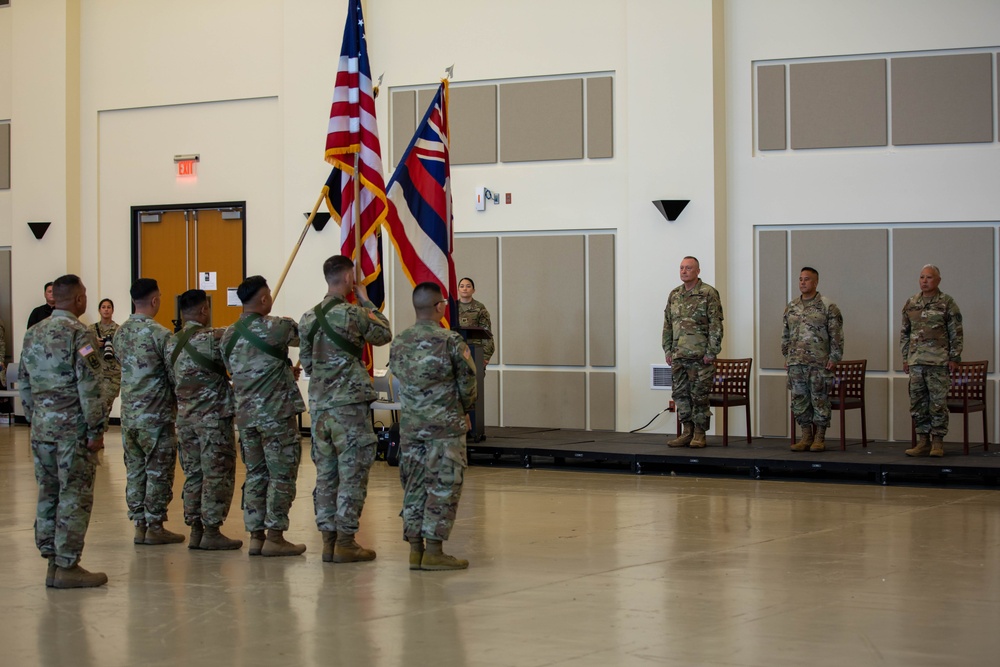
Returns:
point(959, 406)
point(716, 400)
point(849, 403)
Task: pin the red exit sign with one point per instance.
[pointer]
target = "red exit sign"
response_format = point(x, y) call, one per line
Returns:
point(185, 168)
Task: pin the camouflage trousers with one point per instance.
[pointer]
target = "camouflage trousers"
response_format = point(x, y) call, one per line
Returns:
point(432, 474)
point(150, 458)
point(208, 459)
point(810, 387)
point(271, 453)
point(110, 386)
point(692, 385)
point(928, 392)
point(343, 449)
point(64, 471)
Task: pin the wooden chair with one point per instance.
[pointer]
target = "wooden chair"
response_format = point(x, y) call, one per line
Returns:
point(730, 389)
point(966, 394)
point(848, 394)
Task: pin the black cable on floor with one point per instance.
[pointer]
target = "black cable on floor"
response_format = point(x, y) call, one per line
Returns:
point(651, 420)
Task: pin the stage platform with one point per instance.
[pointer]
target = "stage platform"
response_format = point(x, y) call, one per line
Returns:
point(647, 453)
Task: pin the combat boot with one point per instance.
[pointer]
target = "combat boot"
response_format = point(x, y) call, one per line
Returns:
point(140, 532)
point(416, 551)
point(819, 440)
point(329, 541)
point(698, 439)
point(214, 540)
point(77, 577)
point(937, 446)
point(806, 441)
point(683, 438)
point(923, 447)
point(50, 572)
point(348, 551)
point(197, 531)
point(435, 559)
point(277, 545)
point(157, 534)
point(257, 538)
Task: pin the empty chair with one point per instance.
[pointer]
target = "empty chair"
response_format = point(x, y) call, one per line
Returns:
point(387, 388)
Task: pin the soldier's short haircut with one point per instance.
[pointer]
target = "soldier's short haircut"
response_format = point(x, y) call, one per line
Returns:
point(248, 288)
point(193, 298)
point(48, 285)
point(697, 263)
point(931, 266)
point(810, 270)
point(65, 287)
point(426, 296)
point(335, 267)
point(471, 282)
point(142, 288)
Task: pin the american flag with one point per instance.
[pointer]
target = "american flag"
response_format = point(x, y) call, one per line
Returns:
point(419, 193)
point(353, 130)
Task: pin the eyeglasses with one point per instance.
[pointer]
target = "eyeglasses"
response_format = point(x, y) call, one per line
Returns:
point(443, 301)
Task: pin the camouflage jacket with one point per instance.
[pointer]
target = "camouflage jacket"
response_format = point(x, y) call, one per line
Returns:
point(110, 368)
point(813, 332)
point(264, 385)
point(474, 314)
point(203, 392)
point(931, 334)
point(337, 377)
point(147, 393)
point(692, 322)
point(437, 381)
point(60, 379)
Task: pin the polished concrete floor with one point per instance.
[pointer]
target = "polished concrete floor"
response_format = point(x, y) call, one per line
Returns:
point(568, 568)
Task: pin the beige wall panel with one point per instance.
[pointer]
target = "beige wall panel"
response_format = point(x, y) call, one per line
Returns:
point(900, 415)
point(491, 398)
point(601, 314)
point(771, 108)
point(772, 406)
point(537, 328)
point(404, 123)
point(942, 99)
point(876, 409)
point(401, 294)
point(424, 98)
point(965, 257)
point(602, 401)
point(554, 399)
point(901, 418)
point(772, 296)
point(541, 120)
point(600, 117)
point(859, 286)
point(4, 156)
point(476, 257)
point(472, 121)
point(838, 104)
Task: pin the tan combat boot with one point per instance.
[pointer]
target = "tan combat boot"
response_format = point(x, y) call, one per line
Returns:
point(937, 446)
point(50, 572)
point(77, 577)
point(257, 538)
point(683, 438)
point(806, 441)
point(214, 540)
point(157, 534)
point(140, 532)
point(197, 531)
point(819, 440)
point(435, 558)
point(348, 551)
point(416, 551)
point(277, 545)
point(698, 440)
point(923, 447)
point(329, 541)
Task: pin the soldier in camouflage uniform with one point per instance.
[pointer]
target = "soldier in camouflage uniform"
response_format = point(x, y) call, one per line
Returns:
point(111, 369)
point(812, 341)
point(60, 388)
point(255, 350)
point(205, 408)
point(692, 339)
point(343, 443)
point(437, 391)
point(930, 341)
point(148, 413)
point(472, 313)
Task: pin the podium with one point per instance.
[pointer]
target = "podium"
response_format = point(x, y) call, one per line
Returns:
point(478, 414)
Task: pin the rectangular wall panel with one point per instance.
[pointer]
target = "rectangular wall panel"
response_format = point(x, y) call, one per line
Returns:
point(838, 104)
point(541, 120)
point(600, 117)
point(942, 99)
point(772, 406)
point(553, 399)
point(601, 314)
point(771, 107)
point(402, 298)
point(4, 156)
point(602, 401)
point(476, 258)
point(491, 398)
point(404, 123)
point(472, 119)
point(771, 295)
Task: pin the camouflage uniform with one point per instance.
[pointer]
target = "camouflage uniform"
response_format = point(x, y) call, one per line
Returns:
point(437, 389)
point(267, 402)
point(813, 335)
point(340, 391)
point(692, 330)
point(474, 314)
point(205, 408)
point(60, 389)
point(148, 412)
point(111, 370)
point(930, 337)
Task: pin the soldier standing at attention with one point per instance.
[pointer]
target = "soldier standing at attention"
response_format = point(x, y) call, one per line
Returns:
point(472, 313)
point(60, 388)
point(437, 391)
point(692, 338)
point(148, 413)
point(255, 350)
point(812, 341)
point(111, 369)
point(340, 391)
point(205, 409)
point(930, 341)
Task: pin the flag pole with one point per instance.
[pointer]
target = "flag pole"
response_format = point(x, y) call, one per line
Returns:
point(295, 250)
